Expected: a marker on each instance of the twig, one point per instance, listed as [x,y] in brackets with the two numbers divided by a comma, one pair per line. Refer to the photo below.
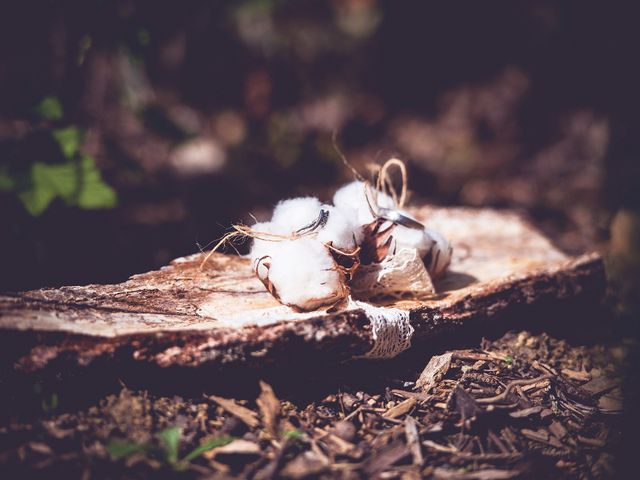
[511,386]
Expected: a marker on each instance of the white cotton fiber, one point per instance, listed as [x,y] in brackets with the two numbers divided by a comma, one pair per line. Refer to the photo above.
[295,213]
[341,230]
[352,197]
[305,275]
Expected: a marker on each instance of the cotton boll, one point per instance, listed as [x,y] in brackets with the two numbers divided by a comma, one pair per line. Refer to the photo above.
[341,230]
[295,213]
[352,197]
[440,254]
[305,276]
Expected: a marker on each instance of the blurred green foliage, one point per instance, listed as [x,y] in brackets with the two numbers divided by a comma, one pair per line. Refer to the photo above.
[50,109]
[77,181]
[169,450]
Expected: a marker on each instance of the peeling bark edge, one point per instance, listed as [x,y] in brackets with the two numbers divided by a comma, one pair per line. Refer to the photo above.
[578,278]
[337,336]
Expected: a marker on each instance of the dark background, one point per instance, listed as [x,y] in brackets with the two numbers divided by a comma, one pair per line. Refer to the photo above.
[198,113]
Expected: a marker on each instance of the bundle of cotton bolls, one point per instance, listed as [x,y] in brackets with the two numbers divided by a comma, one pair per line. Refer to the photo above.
[308,253]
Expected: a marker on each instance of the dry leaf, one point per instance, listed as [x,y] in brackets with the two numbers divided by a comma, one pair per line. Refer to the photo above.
[247,416]
[269,408]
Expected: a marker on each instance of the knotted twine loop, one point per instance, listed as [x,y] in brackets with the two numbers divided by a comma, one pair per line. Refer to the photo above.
[392,330]
[384,183]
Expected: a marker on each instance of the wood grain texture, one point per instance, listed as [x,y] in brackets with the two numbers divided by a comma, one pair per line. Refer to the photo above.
[183,316]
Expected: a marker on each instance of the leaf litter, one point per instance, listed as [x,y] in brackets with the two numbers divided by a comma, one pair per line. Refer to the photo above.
[523,406]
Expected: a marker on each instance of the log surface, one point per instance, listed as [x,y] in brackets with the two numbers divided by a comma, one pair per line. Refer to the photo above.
[181,315]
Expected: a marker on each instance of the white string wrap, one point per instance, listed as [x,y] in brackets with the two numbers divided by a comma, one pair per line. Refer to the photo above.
[392,330]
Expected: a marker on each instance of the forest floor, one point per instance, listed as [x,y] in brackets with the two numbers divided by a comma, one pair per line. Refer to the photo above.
[520,406]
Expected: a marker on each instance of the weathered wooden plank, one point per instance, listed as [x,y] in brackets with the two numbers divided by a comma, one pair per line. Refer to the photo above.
[181,315]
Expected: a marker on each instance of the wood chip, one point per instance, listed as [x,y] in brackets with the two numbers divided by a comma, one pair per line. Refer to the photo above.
[558,429]
[383,458]
[400,409]
[434,371]
[593,442]
[526,412]
[237,447]
[576,375]
[600,385]
[487,474]
[337,444]
[307,464]
[610,404]
[413,440]
[538,436]
[437,447]
[464,404]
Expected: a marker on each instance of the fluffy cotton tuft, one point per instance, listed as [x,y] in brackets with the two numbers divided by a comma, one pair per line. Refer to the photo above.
[295,213]
[305,275]
[342,229]
[352,197]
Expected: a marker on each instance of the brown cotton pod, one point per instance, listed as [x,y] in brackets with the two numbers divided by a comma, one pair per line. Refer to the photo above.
[376,241]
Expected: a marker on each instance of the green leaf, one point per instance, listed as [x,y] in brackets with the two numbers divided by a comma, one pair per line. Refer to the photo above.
[77,183]
[120,449]
[94,192]
[204,447]
[293,434]
[50,108]
[69,140]
[37,199]
[171,439]
[48,182]
[62,178]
